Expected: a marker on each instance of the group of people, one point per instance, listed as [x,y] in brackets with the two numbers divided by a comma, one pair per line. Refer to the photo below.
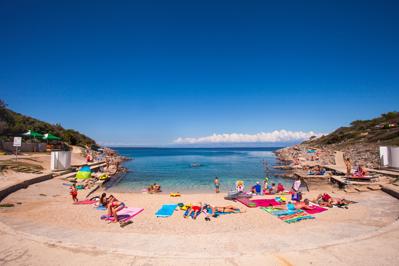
[209,210]
[323,200]
[359,172]
[317,170]
[112,204]
[154,188]
[267,189]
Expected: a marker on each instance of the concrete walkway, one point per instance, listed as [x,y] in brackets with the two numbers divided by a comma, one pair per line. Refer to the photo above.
[377,248]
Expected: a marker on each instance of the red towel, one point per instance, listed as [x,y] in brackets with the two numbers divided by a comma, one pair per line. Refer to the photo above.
[316,209]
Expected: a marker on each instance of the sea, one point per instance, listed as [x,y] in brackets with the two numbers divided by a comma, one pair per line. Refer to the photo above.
[194,169]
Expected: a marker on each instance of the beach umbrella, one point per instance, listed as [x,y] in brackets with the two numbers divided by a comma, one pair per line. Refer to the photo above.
[49,136]
[84,173]
[33,134]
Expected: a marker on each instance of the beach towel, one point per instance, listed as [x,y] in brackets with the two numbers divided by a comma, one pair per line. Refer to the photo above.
[101,208]
[166,210]
[265,202]
[316,209]
[288,216]
[124,215]
[86,201]
[247,202]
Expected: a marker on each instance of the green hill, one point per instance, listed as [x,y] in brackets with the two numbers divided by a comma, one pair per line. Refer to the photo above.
[13,124]
[382,130]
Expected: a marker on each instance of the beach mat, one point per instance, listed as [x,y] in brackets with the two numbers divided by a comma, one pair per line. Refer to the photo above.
[166,210]
[124,215]
[247,202]
[84,202]
[265,202]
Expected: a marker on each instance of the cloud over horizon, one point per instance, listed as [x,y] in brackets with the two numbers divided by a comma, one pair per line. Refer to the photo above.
[270,137]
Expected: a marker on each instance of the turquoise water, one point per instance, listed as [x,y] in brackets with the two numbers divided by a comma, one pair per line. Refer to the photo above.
[194,169]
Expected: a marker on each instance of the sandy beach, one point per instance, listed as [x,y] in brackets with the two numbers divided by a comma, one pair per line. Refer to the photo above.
[44,217]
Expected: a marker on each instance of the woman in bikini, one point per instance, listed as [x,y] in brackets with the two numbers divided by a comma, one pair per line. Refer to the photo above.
[114,206]
[226,209]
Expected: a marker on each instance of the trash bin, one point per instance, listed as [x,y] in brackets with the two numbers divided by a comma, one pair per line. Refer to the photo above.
[60,160]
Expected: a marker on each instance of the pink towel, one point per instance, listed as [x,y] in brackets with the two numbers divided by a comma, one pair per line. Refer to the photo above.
[316,209]
[126,214]
[265,202]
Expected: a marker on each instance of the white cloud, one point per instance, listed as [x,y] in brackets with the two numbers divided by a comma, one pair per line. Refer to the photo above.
[274,136]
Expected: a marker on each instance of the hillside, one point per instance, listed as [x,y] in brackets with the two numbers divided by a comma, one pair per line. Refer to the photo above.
[13,124]
[361,140]
[382,130]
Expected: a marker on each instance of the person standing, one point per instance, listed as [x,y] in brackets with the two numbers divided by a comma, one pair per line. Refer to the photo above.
[296,185]
[217,185]
[348,164]
[74,193]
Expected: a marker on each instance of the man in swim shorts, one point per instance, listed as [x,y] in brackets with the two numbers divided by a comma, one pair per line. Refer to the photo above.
[217,184]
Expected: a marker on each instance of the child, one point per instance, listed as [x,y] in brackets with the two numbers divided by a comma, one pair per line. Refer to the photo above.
[74,193]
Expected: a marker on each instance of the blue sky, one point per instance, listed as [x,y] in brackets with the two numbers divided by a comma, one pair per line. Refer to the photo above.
[147,73]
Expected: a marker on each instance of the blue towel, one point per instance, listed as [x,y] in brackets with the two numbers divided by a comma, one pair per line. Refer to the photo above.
[101,208]
[166,210]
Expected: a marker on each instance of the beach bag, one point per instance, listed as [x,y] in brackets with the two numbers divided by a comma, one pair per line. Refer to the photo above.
[296,196]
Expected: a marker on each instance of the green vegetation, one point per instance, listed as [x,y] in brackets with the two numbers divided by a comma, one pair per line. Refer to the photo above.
[383,130]
[14,124]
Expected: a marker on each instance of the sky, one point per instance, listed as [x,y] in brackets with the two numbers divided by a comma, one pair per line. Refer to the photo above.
[156,73]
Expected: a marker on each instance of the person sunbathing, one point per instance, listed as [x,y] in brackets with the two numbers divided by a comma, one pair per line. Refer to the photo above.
[304,205]
[325,200]
[295,206]
[103,199]
[225,209]
[194,210]
[114,206]
[360,172]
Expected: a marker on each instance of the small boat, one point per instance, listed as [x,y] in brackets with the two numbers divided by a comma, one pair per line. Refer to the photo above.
[195,165]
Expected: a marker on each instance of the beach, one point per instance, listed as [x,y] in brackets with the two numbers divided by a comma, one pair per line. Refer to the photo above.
[44,217]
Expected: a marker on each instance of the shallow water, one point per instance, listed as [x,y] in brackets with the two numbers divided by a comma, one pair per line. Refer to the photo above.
[194,169]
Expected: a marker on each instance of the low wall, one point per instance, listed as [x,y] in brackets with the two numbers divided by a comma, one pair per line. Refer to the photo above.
[26,147]
[24,184]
